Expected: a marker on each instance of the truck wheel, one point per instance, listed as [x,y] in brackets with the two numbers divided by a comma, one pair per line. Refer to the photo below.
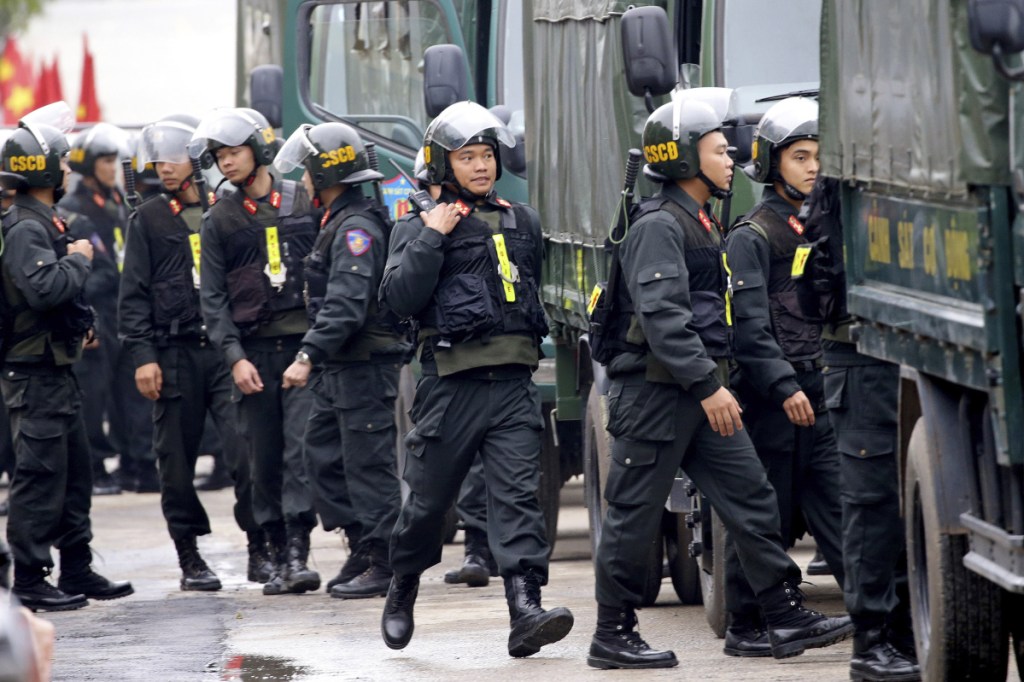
[549,491]
[1013,613]
[597,452]
[682,568]
[711,532]
[958,623]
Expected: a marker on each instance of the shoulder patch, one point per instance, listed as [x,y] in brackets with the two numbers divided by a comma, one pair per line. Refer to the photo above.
[358,242]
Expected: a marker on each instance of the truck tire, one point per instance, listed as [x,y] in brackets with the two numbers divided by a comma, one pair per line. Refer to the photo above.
[711,533]
[958,624]
[597,452]
[549,492]
[403,403]
[1013,613]
[682,568]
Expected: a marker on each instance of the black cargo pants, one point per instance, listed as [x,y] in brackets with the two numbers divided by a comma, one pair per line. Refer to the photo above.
[496,413]
[349,447]
[802,464]
[196,382]
[273,422]
[51,489]
[659,428]
[863,398]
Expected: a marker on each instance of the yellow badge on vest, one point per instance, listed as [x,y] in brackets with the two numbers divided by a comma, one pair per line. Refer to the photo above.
[506,269]
[803,252]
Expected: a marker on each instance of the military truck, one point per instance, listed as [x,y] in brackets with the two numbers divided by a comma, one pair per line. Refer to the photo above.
[368,64]
[923,130]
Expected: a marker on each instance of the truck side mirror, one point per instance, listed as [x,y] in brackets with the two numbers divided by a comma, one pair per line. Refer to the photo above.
[266,85]
[997,28]
[647,52]
[445,78]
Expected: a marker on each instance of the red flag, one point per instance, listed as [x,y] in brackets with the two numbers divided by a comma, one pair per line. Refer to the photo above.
[43,91]
[58,90]
[16,83]
[88,104]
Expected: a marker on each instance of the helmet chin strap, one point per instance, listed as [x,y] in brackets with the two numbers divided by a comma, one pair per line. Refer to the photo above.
[472,196]
[716,191]
[791,191]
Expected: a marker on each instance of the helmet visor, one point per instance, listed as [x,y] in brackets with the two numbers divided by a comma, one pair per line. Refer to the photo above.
[56,115]
[790,117]
[461,122]
[296,150]
[165,141]
[225,128]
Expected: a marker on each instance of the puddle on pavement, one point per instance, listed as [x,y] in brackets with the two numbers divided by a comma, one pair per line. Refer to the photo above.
[259,669]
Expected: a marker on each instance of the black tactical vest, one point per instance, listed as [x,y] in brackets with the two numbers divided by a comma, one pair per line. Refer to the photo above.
[255,300]
[174,297]
[798,339]
[106,217]
[380,333]
[66,323]
[708,280]
[487,287]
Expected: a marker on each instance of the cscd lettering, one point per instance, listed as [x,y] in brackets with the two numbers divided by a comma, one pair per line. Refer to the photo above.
[666,151]
[77,156]
[344,154]
[36,162]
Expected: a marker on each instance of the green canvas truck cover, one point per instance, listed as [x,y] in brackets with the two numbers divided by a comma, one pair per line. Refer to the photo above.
[906,102]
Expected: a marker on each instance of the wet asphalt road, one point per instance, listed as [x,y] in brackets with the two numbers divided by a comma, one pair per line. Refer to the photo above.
[237,634]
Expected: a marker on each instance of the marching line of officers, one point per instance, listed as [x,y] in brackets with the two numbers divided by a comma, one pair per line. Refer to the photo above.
[282,310]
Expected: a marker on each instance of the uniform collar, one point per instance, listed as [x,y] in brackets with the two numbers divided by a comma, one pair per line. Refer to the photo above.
[676,194]
[351,195]
[771,199]
[32,204]
[492,200]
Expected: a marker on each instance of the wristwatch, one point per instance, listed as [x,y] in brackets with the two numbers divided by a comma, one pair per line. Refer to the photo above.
[302,357]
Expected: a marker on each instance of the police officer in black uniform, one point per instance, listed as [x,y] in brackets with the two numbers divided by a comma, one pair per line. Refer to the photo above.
[176,366]
[354,347]
[253,245]
[96,210]
[44,276]
[468,270]
[667,405]
[779,379]
[863,401]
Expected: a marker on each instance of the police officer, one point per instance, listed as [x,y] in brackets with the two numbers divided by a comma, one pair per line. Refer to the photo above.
[44,276]
[863,403]
[355,348]
[96,210]
[176,366]
[778,351]
[667,405]
[478,565]
[468,271]
[253,244]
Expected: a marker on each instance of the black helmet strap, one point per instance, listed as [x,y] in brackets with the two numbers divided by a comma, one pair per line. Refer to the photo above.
[716,191]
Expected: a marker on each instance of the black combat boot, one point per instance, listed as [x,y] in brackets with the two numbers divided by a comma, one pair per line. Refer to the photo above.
[793,629]
[617,644]
[260,567]
[358,560]
[77,576]
[875,659]
[818,565]
[277,550]
[373,582]
[747,637]
[36,593]
[396,625]
[102,482]
[291,575]
[476,567]
[195,574]
[532,626]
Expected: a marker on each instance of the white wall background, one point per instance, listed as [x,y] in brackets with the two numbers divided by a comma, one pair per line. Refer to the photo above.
[151,57]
